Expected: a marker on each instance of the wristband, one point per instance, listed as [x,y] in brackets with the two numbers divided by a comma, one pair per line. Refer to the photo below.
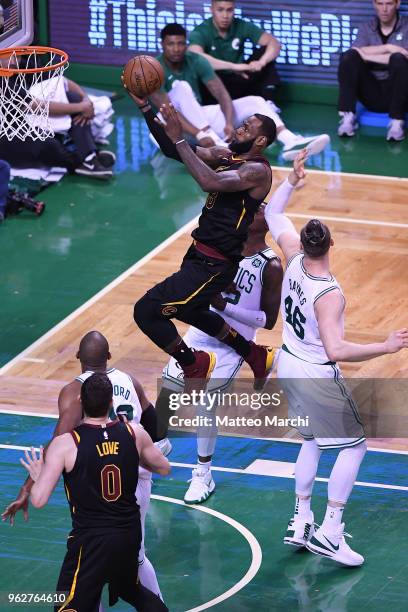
[180,141]
[144,105]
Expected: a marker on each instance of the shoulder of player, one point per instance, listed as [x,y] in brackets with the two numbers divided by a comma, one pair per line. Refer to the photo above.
[71,389]
[61,443]
[329,299]
[256,168]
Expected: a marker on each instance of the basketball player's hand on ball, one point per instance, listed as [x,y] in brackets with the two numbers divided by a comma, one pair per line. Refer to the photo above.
[136,99]
[20,503]
[34,464]
[172,125]
[397,340]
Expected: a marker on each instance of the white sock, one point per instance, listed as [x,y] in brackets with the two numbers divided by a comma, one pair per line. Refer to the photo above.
[302,507]
[148,578]
[203,468]
[332,518]
[286,137]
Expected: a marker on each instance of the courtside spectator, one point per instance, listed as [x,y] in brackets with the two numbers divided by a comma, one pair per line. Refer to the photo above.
[221,39]
[375,71]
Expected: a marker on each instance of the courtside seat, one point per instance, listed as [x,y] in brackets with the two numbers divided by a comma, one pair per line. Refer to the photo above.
[366,117]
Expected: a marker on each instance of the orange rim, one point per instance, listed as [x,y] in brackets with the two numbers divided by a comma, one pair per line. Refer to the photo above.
[8,72]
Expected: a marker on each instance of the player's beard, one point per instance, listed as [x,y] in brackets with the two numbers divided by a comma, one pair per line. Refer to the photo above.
[241,147]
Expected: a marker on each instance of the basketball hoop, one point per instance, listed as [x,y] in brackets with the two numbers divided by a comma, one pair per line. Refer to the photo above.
[29,77]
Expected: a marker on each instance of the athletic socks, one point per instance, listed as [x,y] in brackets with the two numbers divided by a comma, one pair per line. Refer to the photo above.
[302,507]
[183,354]
[240,345]
[203,467]
[286,137]
[147,577]
[333,518]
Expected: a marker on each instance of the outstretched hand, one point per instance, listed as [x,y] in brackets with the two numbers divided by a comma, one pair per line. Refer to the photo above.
[397,340]
[20,503]
[33,464]
[171,122]
[298,171]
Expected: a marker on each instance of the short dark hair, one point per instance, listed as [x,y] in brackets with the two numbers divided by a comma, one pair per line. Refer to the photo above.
[268,128]
[173,29]
[315,238]
[96,395]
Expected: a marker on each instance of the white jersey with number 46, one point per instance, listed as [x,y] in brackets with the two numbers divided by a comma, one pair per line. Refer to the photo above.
[300,291]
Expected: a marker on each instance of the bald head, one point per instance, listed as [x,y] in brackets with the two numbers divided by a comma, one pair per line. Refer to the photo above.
[93,349]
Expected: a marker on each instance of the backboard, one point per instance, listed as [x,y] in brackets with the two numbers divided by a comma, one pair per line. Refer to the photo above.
[16,23]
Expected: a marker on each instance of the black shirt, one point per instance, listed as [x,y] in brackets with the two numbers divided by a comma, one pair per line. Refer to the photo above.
[101,487]
[226,216]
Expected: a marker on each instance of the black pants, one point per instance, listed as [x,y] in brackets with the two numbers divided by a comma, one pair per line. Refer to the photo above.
[111,558]
[262,83]
[357,82]
[186,296]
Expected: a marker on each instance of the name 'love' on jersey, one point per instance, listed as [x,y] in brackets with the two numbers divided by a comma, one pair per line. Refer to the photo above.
[101,486]
[226,216]
[300,291]
[247,294]
[125,399]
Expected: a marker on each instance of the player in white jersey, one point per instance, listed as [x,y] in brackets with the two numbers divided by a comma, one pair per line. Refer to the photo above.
[252,304]
[129,400]
[313,341]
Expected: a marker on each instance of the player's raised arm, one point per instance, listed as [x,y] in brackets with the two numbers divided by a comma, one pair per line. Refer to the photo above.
[282,229]
[329,313]
[45,472]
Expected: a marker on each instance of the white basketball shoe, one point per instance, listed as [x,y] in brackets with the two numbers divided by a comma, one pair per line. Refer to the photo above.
[299,530]
[334,546]
[201,487]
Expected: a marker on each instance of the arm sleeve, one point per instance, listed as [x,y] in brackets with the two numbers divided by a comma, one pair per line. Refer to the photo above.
[252,32]
[166,145]
[149,422]
[204,69]
[254,318]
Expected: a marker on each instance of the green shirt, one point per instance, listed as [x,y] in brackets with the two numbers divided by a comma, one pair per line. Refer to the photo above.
[230,48]
[195,68]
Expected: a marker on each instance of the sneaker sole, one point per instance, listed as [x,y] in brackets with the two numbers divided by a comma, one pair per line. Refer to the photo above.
[202,500]
[317,551]
[102,177]
[295,543]
[313,148]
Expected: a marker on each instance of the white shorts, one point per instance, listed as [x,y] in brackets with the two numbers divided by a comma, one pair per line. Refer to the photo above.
[226,368]
[318,397]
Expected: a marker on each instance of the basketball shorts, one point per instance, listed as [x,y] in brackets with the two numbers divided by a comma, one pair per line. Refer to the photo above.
[193,286]
[93,561]
[319,402]
[227,365]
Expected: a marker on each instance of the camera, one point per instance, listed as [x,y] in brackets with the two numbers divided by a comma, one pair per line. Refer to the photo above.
[18,201]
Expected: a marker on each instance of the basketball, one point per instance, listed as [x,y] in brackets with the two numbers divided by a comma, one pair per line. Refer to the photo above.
[143,75]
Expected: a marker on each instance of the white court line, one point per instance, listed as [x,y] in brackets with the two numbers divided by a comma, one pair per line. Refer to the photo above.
[373,485]
[256,551]
[348,174]
[190,225]
[349,220]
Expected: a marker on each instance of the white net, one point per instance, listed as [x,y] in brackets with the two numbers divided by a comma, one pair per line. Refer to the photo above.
[25,96]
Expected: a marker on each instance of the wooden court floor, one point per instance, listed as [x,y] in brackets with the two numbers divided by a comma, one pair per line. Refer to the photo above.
[368,217]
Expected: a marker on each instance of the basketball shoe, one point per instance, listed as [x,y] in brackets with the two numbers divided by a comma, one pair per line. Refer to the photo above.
[334,546]
[313,144]
[300,530]
[201,487]
[198,373]
[260,360]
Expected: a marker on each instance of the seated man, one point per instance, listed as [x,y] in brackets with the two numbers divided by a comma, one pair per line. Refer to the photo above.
[221,39]
[375,71]
[212,124]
